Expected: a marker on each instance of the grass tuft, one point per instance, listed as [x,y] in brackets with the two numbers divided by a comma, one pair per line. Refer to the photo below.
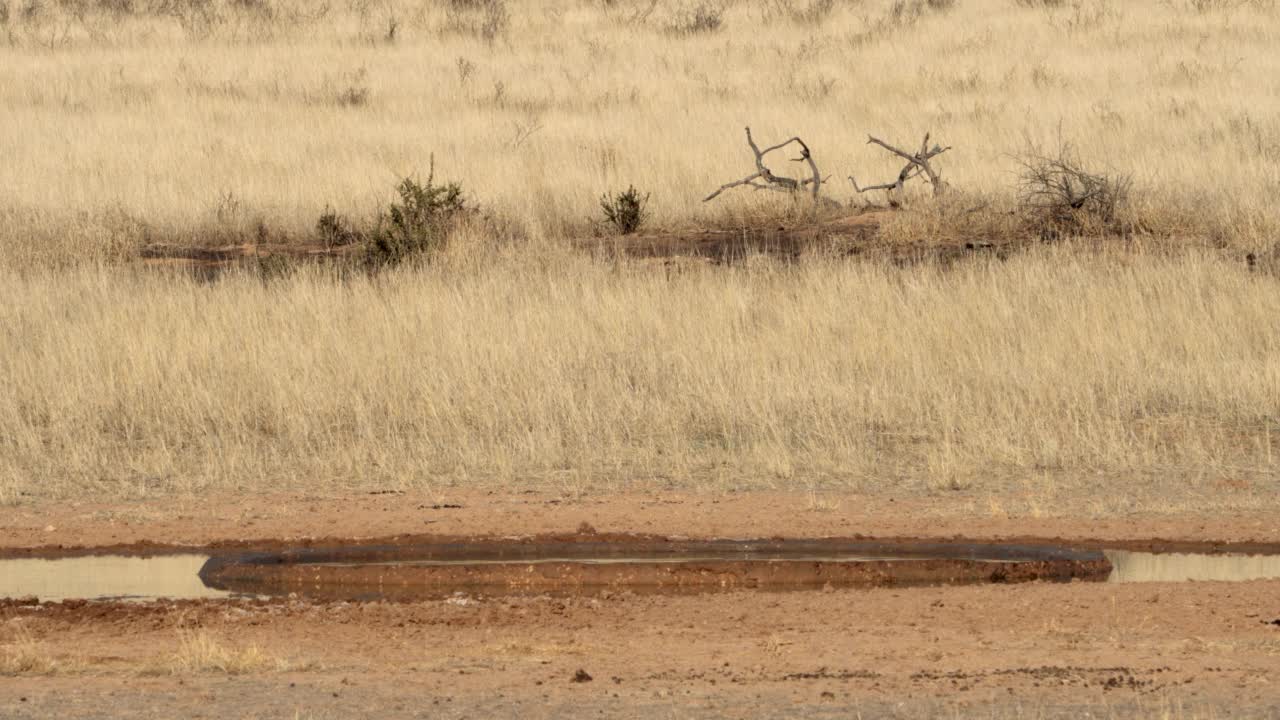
[22,654]
[200,652]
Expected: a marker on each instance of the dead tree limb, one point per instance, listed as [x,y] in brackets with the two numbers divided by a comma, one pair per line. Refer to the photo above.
[771,181]
[917,164]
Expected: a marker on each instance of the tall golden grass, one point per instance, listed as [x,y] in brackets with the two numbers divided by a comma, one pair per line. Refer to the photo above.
[1067,372]
[135,120]
[1056,372]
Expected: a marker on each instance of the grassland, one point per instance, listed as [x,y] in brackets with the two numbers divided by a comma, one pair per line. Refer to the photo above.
[1056,370]
[1144,366]
[137,120]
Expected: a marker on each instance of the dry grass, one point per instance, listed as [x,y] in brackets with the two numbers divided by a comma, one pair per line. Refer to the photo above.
[219,118]
[1115,374]
[22,654]
[1066,371]
[200,652]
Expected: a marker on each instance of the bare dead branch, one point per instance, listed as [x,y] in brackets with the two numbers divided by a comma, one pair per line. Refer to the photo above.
[917,164]
[771,181]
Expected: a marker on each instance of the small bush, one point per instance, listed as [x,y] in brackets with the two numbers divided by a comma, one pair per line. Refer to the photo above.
[625,211]
[334,229]
[420,223]
[703,19]
[1060,196]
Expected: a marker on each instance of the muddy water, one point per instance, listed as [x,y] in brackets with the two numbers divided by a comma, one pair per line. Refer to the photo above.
[1183,567]
[106,577]
[180,577]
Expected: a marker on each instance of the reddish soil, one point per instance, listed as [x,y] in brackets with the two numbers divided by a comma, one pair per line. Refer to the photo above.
[1040,649]
[1028,649]
[267,521]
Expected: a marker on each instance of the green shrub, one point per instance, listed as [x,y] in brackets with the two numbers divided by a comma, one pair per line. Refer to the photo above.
[625,211]
[419,223]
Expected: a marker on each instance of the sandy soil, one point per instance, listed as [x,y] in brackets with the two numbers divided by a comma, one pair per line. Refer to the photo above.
[1044,650]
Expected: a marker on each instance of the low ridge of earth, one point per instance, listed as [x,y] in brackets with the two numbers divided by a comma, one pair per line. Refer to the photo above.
[848,234]
[274,519]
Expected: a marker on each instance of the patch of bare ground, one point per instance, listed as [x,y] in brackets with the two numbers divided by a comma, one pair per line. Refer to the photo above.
[268,520]
[1048,650]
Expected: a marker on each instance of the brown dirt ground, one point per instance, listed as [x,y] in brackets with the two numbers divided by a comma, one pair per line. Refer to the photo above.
[231,519]
[1150,650]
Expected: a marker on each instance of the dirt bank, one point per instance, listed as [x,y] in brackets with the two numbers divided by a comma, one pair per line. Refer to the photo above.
[270,520]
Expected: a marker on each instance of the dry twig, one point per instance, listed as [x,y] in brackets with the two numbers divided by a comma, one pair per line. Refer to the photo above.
[771,181]
[917,164]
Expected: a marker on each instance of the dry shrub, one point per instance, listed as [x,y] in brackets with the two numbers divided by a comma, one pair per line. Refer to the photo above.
[1060,196]
[704,18]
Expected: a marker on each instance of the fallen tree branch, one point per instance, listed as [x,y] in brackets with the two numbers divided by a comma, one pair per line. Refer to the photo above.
[917,164]
[771,181]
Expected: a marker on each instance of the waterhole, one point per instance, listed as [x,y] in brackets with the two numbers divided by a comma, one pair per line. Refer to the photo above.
[107,577]
[495,568]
